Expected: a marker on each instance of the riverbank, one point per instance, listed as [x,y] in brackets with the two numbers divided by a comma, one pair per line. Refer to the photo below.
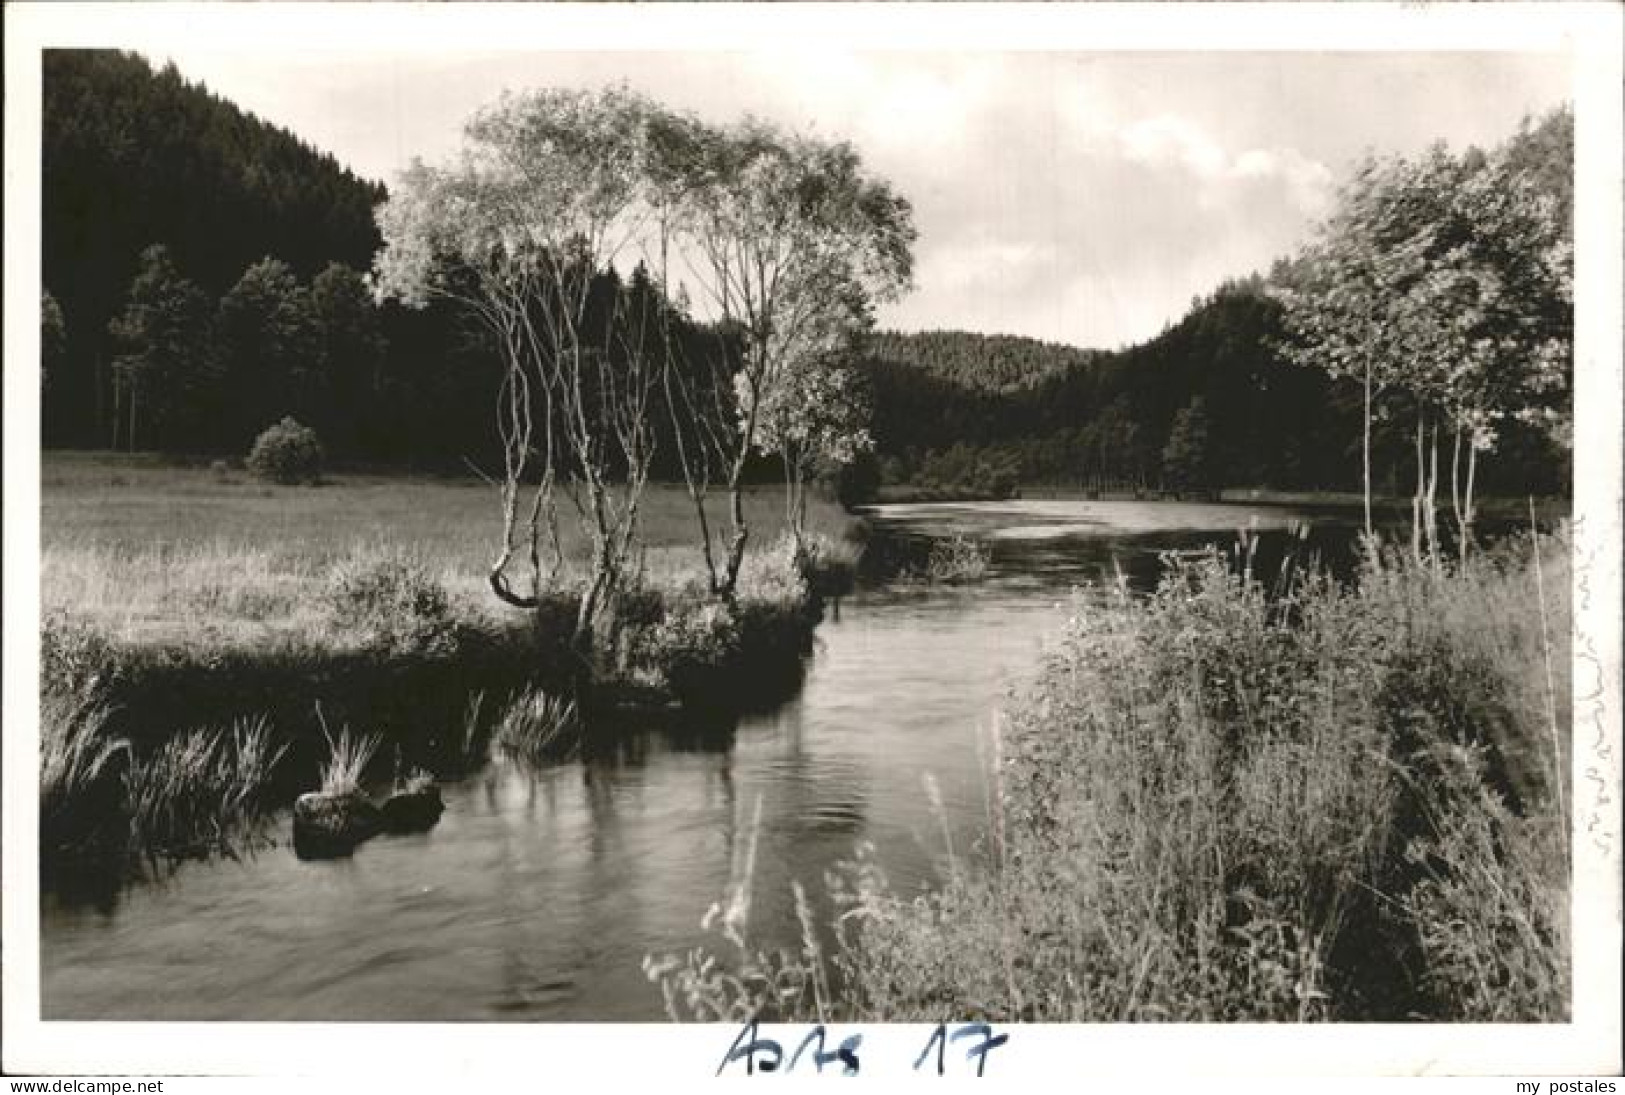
[1549,510]
[1338,802]
[542,887]
[184,608]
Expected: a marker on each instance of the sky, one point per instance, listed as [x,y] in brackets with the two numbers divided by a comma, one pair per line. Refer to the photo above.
[1075,197]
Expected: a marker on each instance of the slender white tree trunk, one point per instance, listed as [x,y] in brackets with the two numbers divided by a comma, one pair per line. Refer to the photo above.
[1365,453]
[1469,514]
[1455,491]
[1417,493]
[1431,509]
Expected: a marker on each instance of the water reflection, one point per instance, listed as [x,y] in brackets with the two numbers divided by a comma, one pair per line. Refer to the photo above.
[543,887]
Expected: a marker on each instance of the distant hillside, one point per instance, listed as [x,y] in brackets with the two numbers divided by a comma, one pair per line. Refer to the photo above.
[979,362]
[134,156]
[1061,413]
[1035,412]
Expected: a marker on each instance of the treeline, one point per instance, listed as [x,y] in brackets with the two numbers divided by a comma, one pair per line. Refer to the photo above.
[132,157]
[1224,397]
[982,362]
[205,276]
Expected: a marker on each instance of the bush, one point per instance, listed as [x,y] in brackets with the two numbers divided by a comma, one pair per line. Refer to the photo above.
[287,453]
[960,559]
[777,575]
[830,567]
[393,604]
[737,653]
[693,645]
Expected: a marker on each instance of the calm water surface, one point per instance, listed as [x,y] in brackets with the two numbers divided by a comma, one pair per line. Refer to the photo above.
[539,893]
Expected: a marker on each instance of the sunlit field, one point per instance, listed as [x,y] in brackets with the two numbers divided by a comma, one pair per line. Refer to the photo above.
[145,549]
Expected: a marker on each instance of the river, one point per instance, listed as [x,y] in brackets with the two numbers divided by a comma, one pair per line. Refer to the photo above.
[540,891]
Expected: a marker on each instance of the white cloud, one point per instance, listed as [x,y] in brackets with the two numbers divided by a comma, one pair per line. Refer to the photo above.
[1169,139]
[1082,197]
[1172,140]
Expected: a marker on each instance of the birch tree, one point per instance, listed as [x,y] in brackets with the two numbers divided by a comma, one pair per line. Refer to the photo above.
[781,234]
[522,228]
[816,418]
[1445,280]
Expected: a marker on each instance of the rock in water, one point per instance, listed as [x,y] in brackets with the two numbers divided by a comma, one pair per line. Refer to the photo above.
[413,811]
[326,826]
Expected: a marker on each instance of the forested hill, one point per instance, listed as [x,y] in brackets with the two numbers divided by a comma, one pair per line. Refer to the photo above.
[1077,414]
[981,362]
[133,157]
[1217,379]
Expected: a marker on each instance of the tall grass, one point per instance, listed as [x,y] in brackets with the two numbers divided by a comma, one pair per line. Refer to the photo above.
[1228,803]
[202,791]
[80,763]
[747,982]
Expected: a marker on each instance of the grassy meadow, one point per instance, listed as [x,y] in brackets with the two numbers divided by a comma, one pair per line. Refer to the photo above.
[151,551]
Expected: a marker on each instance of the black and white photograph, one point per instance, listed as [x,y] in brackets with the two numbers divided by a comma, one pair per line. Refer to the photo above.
[525,529]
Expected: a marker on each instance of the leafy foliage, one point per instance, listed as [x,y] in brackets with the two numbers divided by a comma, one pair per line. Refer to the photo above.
[269,340]
[1443,283]
[287,453]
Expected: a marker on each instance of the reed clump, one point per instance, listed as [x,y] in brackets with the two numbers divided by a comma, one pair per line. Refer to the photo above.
[538,725]
[203,791]
[959,558]
[952,560]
